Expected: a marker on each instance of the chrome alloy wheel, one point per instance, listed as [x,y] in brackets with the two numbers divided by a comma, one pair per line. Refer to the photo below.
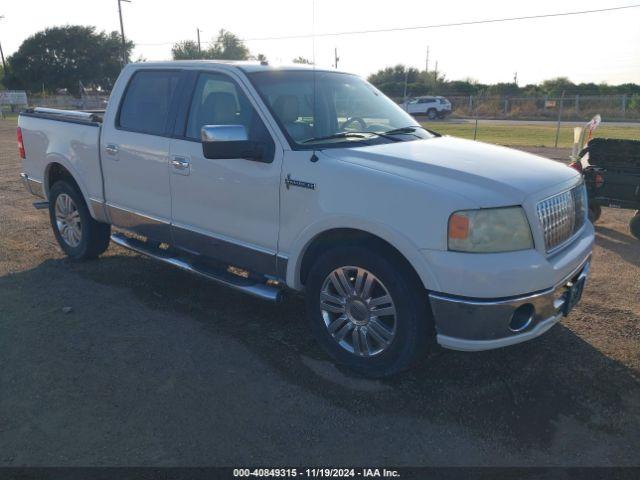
[358,311]
[68,220]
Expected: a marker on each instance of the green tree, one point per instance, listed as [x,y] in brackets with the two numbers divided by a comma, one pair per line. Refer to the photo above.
[461,87]
[302,60]
[391,81]
[227,46]
[62,57]
[186,50]
[503,89]
[555,86]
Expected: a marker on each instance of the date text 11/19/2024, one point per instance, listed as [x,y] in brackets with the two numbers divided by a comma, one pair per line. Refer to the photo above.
[316,472]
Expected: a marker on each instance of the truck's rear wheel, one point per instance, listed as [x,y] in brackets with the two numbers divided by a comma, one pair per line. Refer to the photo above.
[78,234]
[366,311]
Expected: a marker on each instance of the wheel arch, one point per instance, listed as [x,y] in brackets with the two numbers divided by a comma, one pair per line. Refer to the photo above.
[59,169]
[312,244]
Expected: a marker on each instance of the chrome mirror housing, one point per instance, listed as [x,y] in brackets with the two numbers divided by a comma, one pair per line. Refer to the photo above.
[223,133]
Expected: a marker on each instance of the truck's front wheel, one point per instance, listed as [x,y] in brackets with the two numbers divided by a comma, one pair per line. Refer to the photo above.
[367,310]
[634,225]
[79,235]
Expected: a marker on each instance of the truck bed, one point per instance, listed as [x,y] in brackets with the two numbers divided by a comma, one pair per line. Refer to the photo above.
[74,116]
[615,154]
[66,137]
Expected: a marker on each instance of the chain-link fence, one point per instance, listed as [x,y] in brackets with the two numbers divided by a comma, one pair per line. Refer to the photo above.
[574,107]
[69,102]
[570,108]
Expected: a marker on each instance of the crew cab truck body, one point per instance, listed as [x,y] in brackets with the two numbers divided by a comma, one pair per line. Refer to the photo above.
[315,181]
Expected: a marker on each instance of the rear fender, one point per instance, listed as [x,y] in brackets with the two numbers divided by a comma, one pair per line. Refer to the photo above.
[96,207]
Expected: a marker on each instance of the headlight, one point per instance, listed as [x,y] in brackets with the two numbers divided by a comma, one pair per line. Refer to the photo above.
[490,230]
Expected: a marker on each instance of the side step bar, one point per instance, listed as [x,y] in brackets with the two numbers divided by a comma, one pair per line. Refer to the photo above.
[260,290]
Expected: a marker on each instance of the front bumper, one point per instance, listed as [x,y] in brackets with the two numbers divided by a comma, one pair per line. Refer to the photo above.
[480,324]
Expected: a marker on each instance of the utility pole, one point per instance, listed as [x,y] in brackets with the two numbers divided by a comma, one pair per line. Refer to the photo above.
[336,57]
[199,49]
[435,72]
[559,118]
[125,60]
[426,66]
[4,65]
[515,78]
[406,83]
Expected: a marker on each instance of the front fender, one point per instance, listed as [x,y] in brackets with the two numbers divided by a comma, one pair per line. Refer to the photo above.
[399,241]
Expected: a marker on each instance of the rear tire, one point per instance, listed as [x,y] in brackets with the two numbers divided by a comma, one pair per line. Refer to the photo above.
[78,234]
[347,327]
[432,114]
[634,225]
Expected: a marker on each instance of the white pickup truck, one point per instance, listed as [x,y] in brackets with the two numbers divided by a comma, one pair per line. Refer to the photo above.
[267,179]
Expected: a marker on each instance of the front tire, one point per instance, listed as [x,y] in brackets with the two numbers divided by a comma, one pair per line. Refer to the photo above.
[432,114]
[78,234]
[368,310]
[594,212]
[634,225]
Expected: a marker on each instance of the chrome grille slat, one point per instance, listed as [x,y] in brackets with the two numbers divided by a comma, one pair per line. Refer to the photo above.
[562,216]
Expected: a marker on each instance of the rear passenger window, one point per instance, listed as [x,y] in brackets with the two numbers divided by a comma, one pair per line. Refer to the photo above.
[145,107]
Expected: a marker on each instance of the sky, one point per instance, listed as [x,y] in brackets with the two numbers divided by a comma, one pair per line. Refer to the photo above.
[597,47]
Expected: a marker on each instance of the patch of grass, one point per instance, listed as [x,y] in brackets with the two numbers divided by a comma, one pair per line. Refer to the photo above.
[527,134]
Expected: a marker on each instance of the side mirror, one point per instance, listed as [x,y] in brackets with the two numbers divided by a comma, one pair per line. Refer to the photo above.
[229,141]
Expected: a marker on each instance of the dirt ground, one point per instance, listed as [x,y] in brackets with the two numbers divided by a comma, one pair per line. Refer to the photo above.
[153,366]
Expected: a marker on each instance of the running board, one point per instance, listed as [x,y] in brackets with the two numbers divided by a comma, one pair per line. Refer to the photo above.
[260,290]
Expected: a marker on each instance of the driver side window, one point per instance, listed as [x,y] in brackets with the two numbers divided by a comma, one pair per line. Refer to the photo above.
[218,101]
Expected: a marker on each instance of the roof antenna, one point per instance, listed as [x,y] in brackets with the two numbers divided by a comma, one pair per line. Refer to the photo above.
[314,157]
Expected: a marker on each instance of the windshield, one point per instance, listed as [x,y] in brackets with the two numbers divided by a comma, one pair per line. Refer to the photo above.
[344,109]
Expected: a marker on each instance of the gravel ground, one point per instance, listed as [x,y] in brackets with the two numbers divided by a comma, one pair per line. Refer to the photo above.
[153,366]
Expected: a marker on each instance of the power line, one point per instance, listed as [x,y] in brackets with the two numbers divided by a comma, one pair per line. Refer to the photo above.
[443,25]
[425,27]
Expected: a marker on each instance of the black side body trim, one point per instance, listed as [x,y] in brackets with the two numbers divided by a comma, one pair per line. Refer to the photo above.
[250,259]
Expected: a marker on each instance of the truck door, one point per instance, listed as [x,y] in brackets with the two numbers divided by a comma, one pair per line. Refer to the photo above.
[226,209]
[134,148]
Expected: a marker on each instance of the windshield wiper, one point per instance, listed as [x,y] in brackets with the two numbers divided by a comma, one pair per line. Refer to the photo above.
[350,134]
[411,129]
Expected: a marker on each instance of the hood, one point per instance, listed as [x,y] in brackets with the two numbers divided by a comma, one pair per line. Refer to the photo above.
[489,175]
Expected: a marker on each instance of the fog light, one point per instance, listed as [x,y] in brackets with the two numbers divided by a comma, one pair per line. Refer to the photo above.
[522,317]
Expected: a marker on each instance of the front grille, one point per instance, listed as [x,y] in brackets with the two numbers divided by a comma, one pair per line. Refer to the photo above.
[562,215]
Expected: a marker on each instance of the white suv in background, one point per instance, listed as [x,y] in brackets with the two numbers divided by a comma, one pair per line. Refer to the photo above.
[432,107]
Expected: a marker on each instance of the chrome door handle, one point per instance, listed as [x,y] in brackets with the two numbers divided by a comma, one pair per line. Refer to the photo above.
[111,149]
[180,164]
